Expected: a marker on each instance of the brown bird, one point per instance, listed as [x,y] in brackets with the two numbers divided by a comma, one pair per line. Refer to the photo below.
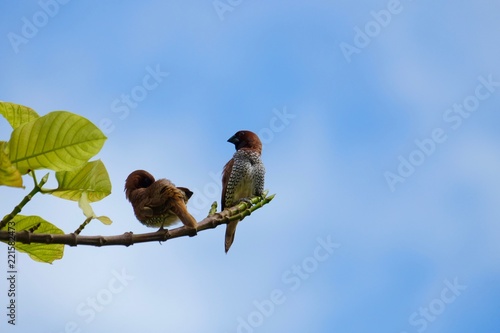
[158,203]
[242,177]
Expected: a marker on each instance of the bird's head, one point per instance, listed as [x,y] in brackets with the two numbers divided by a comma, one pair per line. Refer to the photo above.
[246,139]
[138,179]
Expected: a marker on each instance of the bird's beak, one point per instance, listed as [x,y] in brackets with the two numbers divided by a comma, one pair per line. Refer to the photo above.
[234,140]
[186,191]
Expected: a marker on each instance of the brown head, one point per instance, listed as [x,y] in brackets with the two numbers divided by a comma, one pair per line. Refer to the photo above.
[246,139]
[138,179]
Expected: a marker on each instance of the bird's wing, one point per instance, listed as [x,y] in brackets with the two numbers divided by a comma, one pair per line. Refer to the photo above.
[226,173]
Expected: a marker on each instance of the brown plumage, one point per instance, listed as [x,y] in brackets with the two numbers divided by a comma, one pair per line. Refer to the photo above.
[158,203]
[242,177]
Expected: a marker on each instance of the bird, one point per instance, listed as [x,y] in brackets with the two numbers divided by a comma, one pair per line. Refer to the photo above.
[158,203]
[242,176]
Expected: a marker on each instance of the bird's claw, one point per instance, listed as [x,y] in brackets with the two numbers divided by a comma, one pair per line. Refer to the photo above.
[246,200]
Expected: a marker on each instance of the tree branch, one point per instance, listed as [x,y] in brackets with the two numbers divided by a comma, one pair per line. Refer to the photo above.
[213,220]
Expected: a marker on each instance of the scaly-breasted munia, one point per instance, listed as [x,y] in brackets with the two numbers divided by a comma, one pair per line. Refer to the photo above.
[158,203]
[242,177]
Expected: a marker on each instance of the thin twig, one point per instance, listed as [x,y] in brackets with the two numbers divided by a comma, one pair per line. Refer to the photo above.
[83,225]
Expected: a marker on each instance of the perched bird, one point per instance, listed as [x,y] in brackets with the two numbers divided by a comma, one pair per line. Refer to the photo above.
[242,177]
[158,203]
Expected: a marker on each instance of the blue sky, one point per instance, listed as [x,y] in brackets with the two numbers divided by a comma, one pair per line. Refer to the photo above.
[341,248]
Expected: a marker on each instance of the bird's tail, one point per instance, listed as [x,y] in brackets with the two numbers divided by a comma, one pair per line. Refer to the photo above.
[182,213]
[230,231]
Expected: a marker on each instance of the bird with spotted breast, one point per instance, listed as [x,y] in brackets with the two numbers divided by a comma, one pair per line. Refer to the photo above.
[158,203]
[242,176]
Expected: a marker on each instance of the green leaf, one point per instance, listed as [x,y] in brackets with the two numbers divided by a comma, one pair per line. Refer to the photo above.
[92,178]
[9,175]
[104,219]
[59,141]
[39,252]
[84,205]
[17,114]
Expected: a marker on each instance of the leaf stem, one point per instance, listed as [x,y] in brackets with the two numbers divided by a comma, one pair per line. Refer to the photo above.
[26,199]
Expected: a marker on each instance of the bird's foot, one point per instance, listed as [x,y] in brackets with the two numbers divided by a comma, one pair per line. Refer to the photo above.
[245,200]
[162,229]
